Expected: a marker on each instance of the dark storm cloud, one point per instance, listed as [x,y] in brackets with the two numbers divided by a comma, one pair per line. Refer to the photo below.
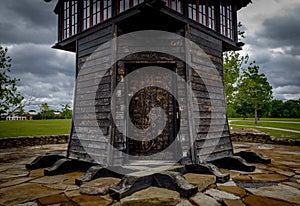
[33,12]
[279,31]
[282,31]
[12,34]
[276,49]
[27,21]
[41,60]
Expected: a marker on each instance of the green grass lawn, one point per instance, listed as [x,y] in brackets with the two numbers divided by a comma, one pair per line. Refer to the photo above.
[270,119]
[274,133]
[282,125]
[54,127]
[34,127]
[272,122]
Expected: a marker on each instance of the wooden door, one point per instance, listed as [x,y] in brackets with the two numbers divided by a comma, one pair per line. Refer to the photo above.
[142,105]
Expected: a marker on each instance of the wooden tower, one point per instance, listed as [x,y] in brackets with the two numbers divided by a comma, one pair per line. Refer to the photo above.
[137,66]
[140,65]
[84,25]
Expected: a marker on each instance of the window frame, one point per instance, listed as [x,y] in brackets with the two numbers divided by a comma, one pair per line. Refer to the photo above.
[77,16]
[203,12]
[69,19]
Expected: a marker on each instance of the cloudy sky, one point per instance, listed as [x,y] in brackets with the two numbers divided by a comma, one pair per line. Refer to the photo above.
[28,28]
[273,41]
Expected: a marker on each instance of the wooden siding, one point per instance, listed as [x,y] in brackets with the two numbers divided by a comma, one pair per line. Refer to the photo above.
[213,139]
[88,141]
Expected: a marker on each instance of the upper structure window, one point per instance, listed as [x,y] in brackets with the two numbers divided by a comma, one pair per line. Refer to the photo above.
[124,5]
[175,5]
[95,12]
[203,12]
[226,21]
[69,19]
[79,15]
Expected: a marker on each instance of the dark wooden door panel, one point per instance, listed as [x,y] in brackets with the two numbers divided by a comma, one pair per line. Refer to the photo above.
[143,112]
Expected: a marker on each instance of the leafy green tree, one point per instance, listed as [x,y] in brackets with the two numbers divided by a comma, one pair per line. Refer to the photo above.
[254,91]
[295,113]
[292,107]
[277,108]
[10,98]
[232,64]
[66,111]
[45,110]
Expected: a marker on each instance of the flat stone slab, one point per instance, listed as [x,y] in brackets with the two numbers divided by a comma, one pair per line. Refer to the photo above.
[152,196]
[24,193]
[280,192]
[88,200]
[15,182]
[37,173]
[58,186]
[285,172]
[29,204]
[4,176]
[264,201]
[199,180]
[51,179]
[229,202]
[233,190]
[184,203]
[72,194]
[98,186]
[53,199]
[220,195]
[74,175]
[292,184]
[201,199]
[261,178]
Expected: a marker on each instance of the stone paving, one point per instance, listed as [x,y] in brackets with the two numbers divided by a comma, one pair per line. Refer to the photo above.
[275,184]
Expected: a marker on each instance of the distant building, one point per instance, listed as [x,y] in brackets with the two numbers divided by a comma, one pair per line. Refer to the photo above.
[56,114]
[15,117]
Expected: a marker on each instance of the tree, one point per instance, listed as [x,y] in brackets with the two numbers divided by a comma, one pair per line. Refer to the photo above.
[254,90]
[232,64]
[66,111]
[10,98]
[277,108]
[45,110]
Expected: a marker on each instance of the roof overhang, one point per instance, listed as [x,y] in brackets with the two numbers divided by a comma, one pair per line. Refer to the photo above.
[242,3]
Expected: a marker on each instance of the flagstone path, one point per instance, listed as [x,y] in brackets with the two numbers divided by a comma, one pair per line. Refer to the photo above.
[275,184]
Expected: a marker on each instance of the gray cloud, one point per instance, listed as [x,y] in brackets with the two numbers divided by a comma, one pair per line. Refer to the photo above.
[282,31]
[33,12]
[54,90]
[276,48]
[27,21]
[41,60]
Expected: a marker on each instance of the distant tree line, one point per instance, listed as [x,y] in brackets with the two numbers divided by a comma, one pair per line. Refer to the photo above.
[287,109]
[275,109]
[47,113]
